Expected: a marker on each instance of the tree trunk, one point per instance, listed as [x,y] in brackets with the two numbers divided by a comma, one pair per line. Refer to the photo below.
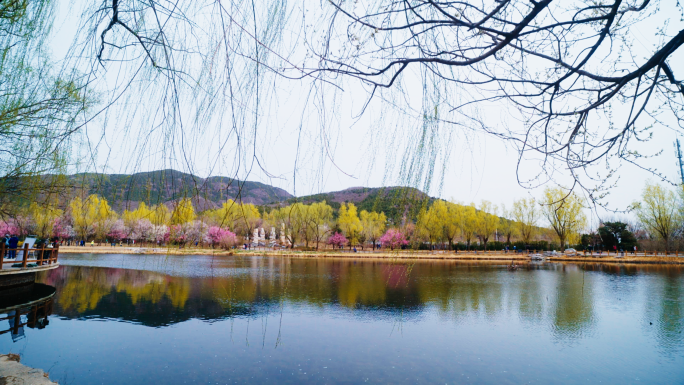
[667,244]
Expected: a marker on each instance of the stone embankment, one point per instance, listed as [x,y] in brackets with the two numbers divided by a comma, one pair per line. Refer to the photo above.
[12,372]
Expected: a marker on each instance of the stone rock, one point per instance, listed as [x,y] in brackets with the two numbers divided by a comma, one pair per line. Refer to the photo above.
[13,372]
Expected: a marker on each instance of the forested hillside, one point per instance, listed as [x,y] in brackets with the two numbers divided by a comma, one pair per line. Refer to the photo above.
[395,201]
[126,191]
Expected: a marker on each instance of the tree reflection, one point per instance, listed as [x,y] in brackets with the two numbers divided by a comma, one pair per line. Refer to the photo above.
[529,298]
[666,313]
[574,305]
[561,296]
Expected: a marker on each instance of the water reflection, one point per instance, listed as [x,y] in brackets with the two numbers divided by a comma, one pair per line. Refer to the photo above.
[26,305]
[574,304]
[217,320]
[561,296]
[666,313]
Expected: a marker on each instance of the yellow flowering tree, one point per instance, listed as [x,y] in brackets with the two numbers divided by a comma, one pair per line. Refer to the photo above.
[226,215]
[320,217]
[142,212]
[526,215]
[44,217]
[658,211]
[292,219]
[248,218]
[469,223]
[451,225]
[430,222]
[92,216]
[373,225]
[565,213]
[183,212]
[507,227]
[487,221]
[160,215]
[350,223]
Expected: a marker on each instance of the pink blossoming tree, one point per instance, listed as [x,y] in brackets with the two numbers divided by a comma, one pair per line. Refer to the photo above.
[177,233]
[197,232]
[142,230]
[338,240]
[159,234]
[118,231]
[24,224]
[222,237]
[8,228]
[62,229]
[393,238]
[228,240]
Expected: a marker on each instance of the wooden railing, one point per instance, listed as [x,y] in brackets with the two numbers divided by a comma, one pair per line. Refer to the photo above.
[39,255]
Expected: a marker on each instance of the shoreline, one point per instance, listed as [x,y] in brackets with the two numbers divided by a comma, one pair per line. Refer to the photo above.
[12,371]
[382,255]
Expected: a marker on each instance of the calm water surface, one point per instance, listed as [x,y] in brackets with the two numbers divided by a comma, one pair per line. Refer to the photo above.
[129,319]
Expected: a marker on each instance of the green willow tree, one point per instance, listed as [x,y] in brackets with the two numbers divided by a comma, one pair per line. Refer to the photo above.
[39,105]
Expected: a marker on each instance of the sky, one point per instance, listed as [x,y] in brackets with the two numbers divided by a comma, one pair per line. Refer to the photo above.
[301,161]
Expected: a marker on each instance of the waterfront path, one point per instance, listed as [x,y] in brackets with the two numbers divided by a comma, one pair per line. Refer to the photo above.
[493,256]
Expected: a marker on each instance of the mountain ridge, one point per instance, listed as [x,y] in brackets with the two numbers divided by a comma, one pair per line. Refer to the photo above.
[127,191]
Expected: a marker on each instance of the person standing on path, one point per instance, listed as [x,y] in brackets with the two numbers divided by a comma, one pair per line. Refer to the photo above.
[12,244]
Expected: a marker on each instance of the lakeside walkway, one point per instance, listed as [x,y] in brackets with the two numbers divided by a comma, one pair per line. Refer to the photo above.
[490,256]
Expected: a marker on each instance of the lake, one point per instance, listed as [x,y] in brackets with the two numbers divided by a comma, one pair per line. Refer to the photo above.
[135,319]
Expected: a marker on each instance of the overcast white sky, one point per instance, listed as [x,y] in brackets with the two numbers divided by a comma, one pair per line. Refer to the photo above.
[479,166]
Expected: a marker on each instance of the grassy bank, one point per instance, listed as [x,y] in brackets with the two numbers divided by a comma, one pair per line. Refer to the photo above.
[403,254]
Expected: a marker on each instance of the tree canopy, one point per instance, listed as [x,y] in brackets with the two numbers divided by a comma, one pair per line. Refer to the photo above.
[564,212]
[617,235]
[659,212]
[558,71]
